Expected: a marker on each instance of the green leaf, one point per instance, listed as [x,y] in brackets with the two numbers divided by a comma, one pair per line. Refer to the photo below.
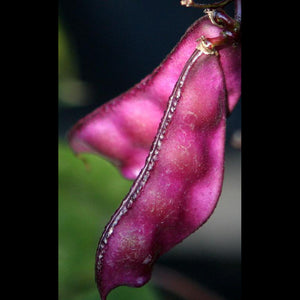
[87,197]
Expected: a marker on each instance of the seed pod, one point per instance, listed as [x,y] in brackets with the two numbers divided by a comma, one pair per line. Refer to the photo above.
[123,129]
[180,183]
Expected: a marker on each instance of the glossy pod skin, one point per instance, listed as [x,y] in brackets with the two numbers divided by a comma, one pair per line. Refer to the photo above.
[167,133]
[179,186]
[123,129]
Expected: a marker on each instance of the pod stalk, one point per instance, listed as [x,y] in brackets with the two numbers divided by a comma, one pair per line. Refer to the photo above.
[191,3]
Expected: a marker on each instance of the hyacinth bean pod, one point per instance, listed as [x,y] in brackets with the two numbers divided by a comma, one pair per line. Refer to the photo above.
[167,133]
[178,187]
[123,129]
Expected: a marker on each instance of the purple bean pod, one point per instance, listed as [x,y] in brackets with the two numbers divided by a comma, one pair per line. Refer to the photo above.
[167,133]
[122,130]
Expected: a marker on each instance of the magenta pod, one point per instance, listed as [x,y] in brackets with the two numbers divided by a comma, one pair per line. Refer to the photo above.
[123,129]
[180,183]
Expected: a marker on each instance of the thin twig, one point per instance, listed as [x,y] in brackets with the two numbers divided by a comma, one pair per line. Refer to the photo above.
[191,3]
[238,10]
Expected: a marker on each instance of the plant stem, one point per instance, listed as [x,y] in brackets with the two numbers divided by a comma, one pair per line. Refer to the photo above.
[191,3]
[238,10]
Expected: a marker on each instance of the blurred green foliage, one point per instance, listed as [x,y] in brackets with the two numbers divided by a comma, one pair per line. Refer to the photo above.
[88,196]
[67,57]
[72,91]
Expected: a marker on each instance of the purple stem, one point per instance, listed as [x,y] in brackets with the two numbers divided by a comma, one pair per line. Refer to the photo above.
[238,10]
[212,5]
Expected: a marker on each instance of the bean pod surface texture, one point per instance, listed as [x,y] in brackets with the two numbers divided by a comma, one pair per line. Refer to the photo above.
[168,134]
[123,129]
